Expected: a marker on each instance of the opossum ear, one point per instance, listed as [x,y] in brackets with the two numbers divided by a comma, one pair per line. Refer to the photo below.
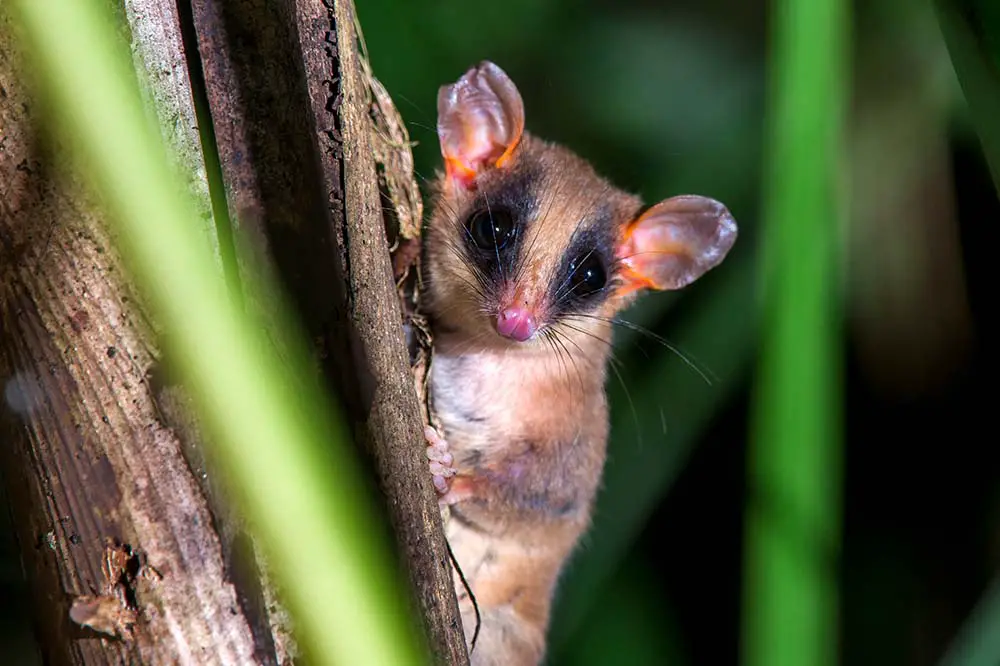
[675,242]
[480,122]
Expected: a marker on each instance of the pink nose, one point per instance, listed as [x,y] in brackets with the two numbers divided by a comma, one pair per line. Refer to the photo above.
[516,323]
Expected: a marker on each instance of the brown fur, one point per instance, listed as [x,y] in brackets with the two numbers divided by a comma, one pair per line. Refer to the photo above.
[526,422]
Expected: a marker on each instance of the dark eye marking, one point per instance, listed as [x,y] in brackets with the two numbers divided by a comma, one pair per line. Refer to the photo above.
[587,275]
[491,229]
[586,268]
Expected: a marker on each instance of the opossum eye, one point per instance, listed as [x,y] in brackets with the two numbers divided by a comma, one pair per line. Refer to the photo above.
[491,228]
[586,275]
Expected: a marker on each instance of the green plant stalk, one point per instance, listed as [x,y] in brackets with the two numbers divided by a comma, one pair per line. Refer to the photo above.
[275,440]
[978,642]
[971,30]
[793,515]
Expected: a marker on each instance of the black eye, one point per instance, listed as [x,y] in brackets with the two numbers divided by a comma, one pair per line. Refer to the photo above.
[491,228]
[586,275]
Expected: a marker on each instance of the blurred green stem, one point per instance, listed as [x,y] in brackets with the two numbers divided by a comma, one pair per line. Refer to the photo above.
[793,515]
[289,462]
[978,642]
[971,29]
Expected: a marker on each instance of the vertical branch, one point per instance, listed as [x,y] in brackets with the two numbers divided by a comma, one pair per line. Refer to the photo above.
[87,456]
[290,116]
[394,426]
[284,87]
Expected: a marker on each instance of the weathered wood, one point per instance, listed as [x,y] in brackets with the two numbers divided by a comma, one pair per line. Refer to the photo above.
[88,455]
[285,87]
[157,48]
[395,427]
[101,444]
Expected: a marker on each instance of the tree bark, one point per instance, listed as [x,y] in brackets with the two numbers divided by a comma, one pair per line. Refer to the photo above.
[285,86]
[98,442]
[88,456]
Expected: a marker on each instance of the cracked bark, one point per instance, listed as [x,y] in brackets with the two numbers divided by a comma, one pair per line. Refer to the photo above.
[98,441]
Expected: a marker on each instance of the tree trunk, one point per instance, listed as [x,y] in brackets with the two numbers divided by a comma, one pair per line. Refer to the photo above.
[99,446]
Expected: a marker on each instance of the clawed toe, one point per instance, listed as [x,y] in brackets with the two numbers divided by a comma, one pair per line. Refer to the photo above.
[440,460]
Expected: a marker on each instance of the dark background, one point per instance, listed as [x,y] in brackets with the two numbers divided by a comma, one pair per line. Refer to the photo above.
[666,98]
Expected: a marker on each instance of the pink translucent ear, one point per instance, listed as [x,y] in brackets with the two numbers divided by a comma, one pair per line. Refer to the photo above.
[480,121]
[675,242]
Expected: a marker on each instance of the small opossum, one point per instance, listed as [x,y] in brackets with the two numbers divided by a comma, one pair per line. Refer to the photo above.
[529,255]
